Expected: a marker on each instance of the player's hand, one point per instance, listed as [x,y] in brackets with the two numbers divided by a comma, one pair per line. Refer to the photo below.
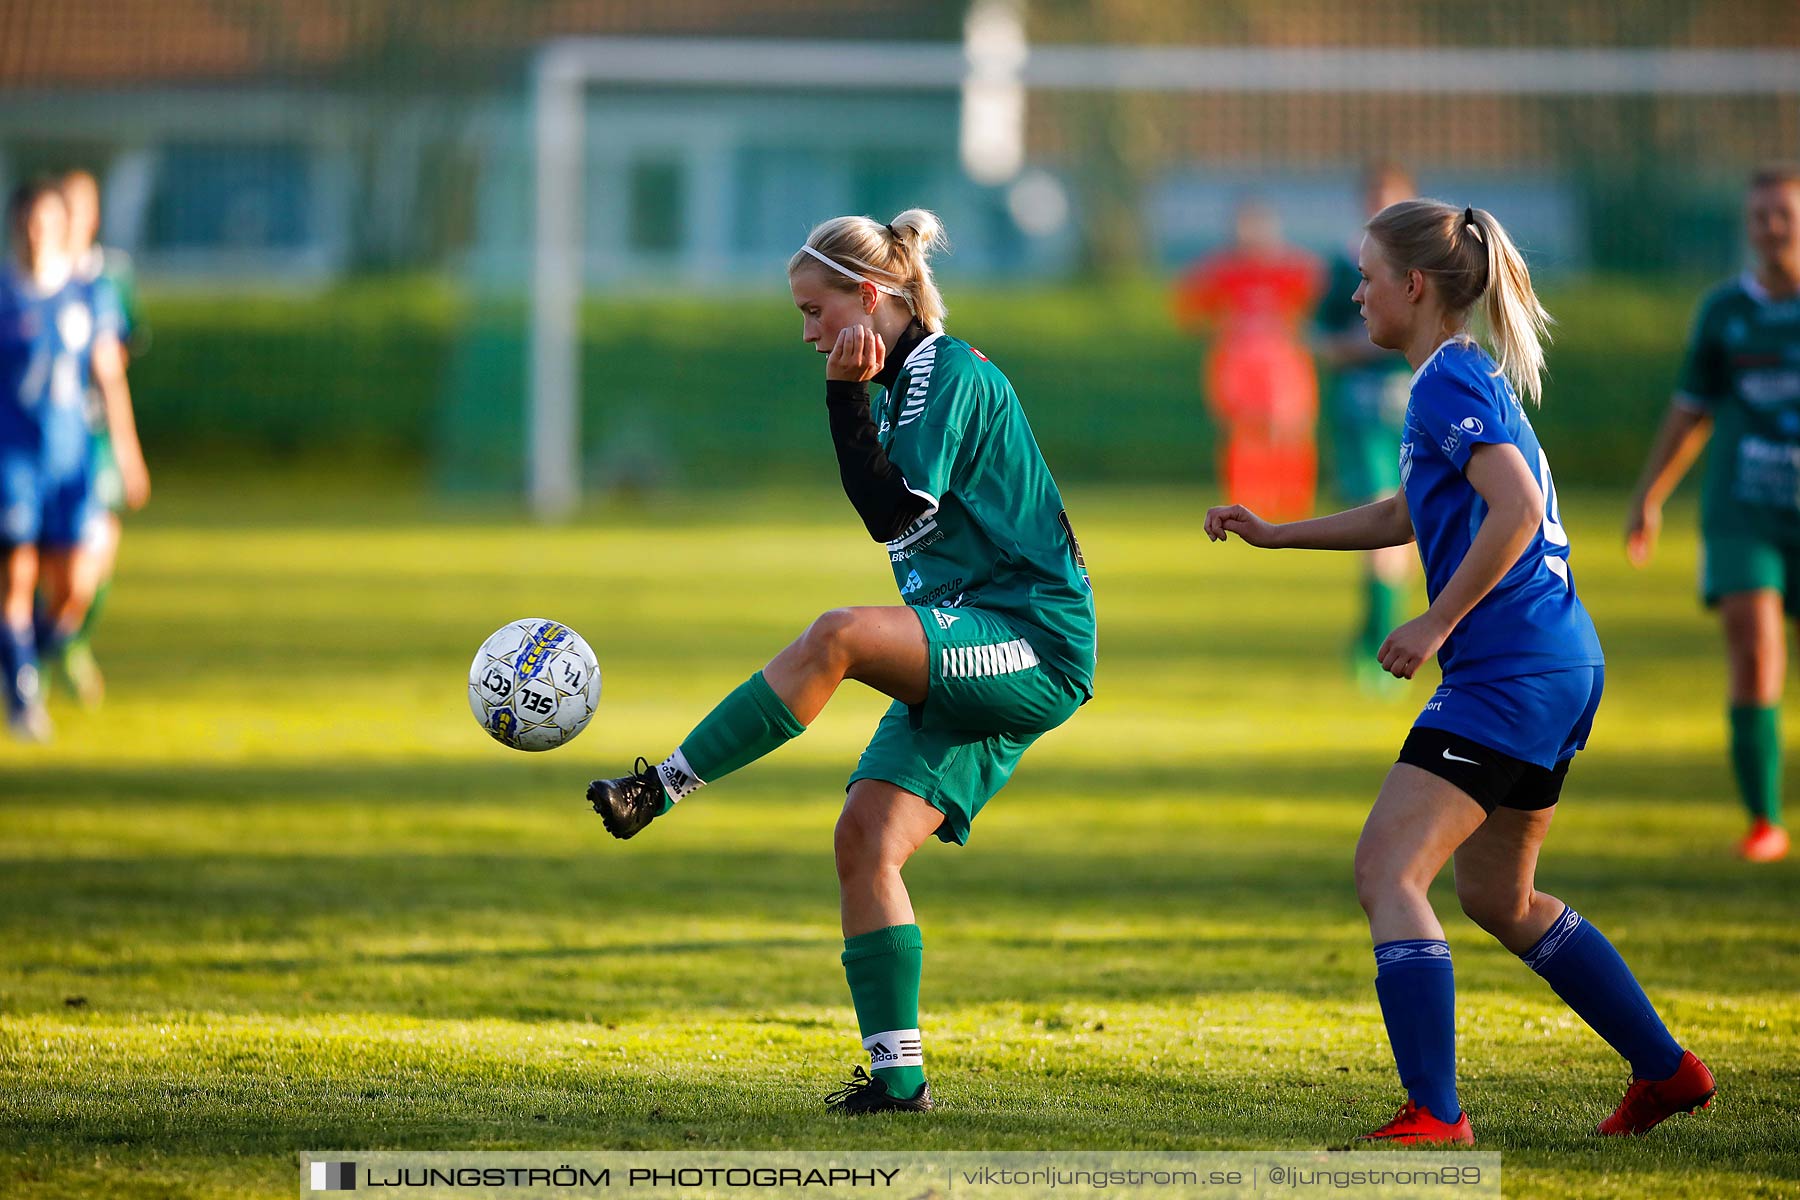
[1235,518]
[858,354]
[136,478]
[1642,527]
[1411,646]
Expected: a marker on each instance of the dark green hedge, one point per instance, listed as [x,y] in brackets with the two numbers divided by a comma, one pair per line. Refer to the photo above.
[722,391]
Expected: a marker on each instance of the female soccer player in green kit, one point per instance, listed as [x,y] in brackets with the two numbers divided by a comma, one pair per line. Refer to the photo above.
[1741,385]
[991,647]
[1367,408]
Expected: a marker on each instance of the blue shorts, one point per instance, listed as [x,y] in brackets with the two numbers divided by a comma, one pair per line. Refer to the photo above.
[1541,719]
[42,510]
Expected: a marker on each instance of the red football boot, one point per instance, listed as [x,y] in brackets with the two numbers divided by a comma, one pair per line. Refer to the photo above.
[1650,1102]
[1764,842]
[1414,1125]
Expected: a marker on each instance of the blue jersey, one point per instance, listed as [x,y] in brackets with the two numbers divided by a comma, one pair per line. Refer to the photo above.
[1532,621]
[46,360]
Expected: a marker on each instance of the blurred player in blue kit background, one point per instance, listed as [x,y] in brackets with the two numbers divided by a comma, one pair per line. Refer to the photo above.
[49,336]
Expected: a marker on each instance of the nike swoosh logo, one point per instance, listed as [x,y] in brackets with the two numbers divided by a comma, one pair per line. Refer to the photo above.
[1460,758]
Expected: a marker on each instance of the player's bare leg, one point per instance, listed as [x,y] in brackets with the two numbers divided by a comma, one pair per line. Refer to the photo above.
[882,825]
[90,570]
[1496,878]
[1495,872]
[883,647]
[1756,654]
[1417,823]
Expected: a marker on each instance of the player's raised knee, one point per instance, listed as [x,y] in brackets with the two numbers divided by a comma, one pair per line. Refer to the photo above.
[833,633]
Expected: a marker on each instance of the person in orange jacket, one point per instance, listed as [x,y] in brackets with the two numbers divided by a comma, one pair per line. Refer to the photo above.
[1252,301]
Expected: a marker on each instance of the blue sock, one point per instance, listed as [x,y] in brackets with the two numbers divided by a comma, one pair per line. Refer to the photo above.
[1582,967]
[18,660]
[43,629]
[1417,989]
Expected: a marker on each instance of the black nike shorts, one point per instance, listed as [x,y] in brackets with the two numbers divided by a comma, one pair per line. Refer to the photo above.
[1490,778]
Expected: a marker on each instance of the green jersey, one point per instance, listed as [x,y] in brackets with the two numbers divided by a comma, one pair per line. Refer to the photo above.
[1743,369]
[1368,398]
[995,536]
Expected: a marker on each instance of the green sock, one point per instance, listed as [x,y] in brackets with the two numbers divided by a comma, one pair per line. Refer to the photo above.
[1756,758]
[93,612]
[746,725]
[883,970]
[1381,600]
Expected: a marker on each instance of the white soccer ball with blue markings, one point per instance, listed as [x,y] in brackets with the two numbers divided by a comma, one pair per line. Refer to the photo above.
[534,684]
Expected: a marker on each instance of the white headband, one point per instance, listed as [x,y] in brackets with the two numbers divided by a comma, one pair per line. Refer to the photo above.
[841,269]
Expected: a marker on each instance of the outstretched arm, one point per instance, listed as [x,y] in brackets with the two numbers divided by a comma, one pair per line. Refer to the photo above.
[121,421]
[1383,523]
[1678,443]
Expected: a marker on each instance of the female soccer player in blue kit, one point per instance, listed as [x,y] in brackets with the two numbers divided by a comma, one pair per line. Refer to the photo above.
[1479,776]
[49,337]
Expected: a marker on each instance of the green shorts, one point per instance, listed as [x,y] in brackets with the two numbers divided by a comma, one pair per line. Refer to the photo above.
[989,698]
[1366,432]
[103,468]
[1365,464]
[1740,562]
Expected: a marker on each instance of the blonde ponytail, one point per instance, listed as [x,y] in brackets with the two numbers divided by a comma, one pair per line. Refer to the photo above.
[1517,322]
[1470,257]
[918,233]
[894,257]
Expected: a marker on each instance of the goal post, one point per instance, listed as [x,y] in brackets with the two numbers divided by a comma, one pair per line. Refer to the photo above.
[560,77]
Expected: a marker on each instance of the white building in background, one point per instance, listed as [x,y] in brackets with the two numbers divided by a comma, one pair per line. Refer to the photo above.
[295,140]
[258,185]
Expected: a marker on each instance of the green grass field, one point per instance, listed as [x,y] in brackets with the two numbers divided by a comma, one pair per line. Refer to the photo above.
[283,894]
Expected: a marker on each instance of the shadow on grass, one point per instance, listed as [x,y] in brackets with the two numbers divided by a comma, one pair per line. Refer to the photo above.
[1108,792]
[407,888]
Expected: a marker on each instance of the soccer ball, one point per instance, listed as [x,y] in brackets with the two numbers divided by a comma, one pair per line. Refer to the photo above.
[534,684]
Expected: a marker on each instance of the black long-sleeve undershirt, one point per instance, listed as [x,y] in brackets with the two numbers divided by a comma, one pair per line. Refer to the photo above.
[875,486]
[873,483]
